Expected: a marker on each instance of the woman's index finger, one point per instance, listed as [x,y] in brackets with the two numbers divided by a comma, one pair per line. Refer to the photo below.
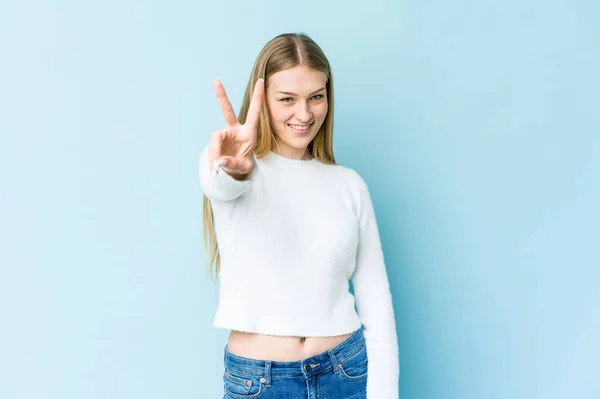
[255,104]
[224,103]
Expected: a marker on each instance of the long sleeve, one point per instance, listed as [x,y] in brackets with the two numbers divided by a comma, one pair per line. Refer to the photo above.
[222,187]
[374,305]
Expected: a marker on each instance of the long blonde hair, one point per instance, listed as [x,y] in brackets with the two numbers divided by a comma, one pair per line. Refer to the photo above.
[285,51]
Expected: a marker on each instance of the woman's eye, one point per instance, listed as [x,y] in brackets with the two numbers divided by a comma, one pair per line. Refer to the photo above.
[316,97]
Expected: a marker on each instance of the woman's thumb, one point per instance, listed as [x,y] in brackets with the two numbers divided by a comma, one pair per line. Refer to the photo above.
[223,161]
[228,162]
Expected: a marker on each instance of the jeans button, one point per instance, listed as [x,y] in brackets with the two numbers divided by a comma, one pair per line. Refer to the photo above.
[307,368]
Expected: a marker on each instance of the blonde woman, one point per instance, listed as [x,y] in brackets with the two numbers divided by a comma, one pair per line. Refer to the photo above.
[286,229]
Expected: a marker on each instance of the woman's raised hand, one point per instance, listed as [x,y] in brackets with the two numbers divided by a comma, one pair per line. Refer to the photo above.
[232,148]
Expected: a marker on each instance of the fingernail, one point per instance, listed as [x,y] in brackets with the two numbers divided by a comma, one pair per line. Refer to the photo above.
[223,162]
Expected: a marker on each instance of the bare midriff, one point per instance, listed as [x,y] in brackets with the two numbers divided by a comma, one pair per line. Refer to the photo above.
[278,348]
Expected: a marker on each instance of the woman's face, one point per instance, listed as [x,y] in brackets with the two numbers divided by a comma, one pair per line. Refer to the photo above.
[297,101]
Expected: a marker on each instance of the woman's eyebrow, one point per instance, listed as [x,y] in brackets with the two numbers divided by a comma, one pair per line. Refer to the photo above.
[294,94]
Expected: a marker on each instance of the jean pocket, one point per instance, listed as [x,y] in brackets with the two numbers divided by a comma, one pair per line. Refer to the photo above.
[240,386]
[355,367]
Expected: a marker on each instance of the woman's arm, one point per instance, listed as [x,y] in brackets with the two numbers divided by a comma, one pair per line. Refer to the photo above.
[374,304]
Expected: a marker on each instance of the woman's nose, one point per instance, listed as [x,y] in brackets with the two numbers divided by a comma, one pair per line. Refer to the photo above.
[303,113]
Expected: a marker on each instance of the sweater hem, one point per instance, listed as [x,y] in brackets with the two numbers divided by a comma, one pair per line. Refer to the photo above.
[280,333]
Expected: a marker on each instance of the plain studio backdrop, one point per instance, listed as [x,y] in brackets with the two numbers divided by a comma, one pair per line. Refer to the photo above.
[474,123]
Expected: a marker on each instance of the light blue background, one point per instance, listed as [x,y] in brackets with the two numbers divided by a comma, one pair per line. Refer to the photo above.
[475,124]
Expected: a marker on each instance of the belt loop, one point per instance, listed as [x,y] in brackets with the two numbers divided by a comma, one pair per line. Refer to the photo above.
[268,373]
[334,361]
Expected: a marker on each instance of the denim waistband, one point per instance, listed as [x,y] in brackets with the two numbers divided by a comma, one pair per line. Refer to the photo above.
[316,364]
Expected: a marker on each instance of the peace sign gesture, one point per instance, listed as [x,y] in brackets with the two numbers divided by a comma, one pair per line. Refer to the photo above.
[232,148]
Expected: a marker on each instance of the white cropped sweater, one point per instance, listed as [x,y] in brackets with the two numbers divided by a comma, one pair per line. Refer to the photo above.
[291,236]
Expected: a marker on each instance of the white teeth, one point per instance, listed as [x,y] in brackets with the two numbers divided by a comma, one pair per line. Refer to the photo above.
[300,127]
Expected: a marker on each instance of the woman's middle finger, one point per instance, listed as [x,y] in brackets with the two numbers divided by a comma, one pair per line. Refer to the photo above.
[225,104]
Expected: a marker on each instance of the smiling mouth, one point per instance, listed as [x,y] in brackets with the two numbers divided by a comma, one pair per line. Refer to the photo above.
[301,128]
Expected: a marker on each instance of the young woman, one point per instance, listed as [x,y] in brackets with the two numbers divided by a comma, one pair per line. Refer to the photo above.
[287,229]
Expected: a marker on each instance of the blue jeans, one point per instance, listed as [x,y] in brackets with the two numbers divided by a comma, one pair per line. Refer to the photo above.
[340,372]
